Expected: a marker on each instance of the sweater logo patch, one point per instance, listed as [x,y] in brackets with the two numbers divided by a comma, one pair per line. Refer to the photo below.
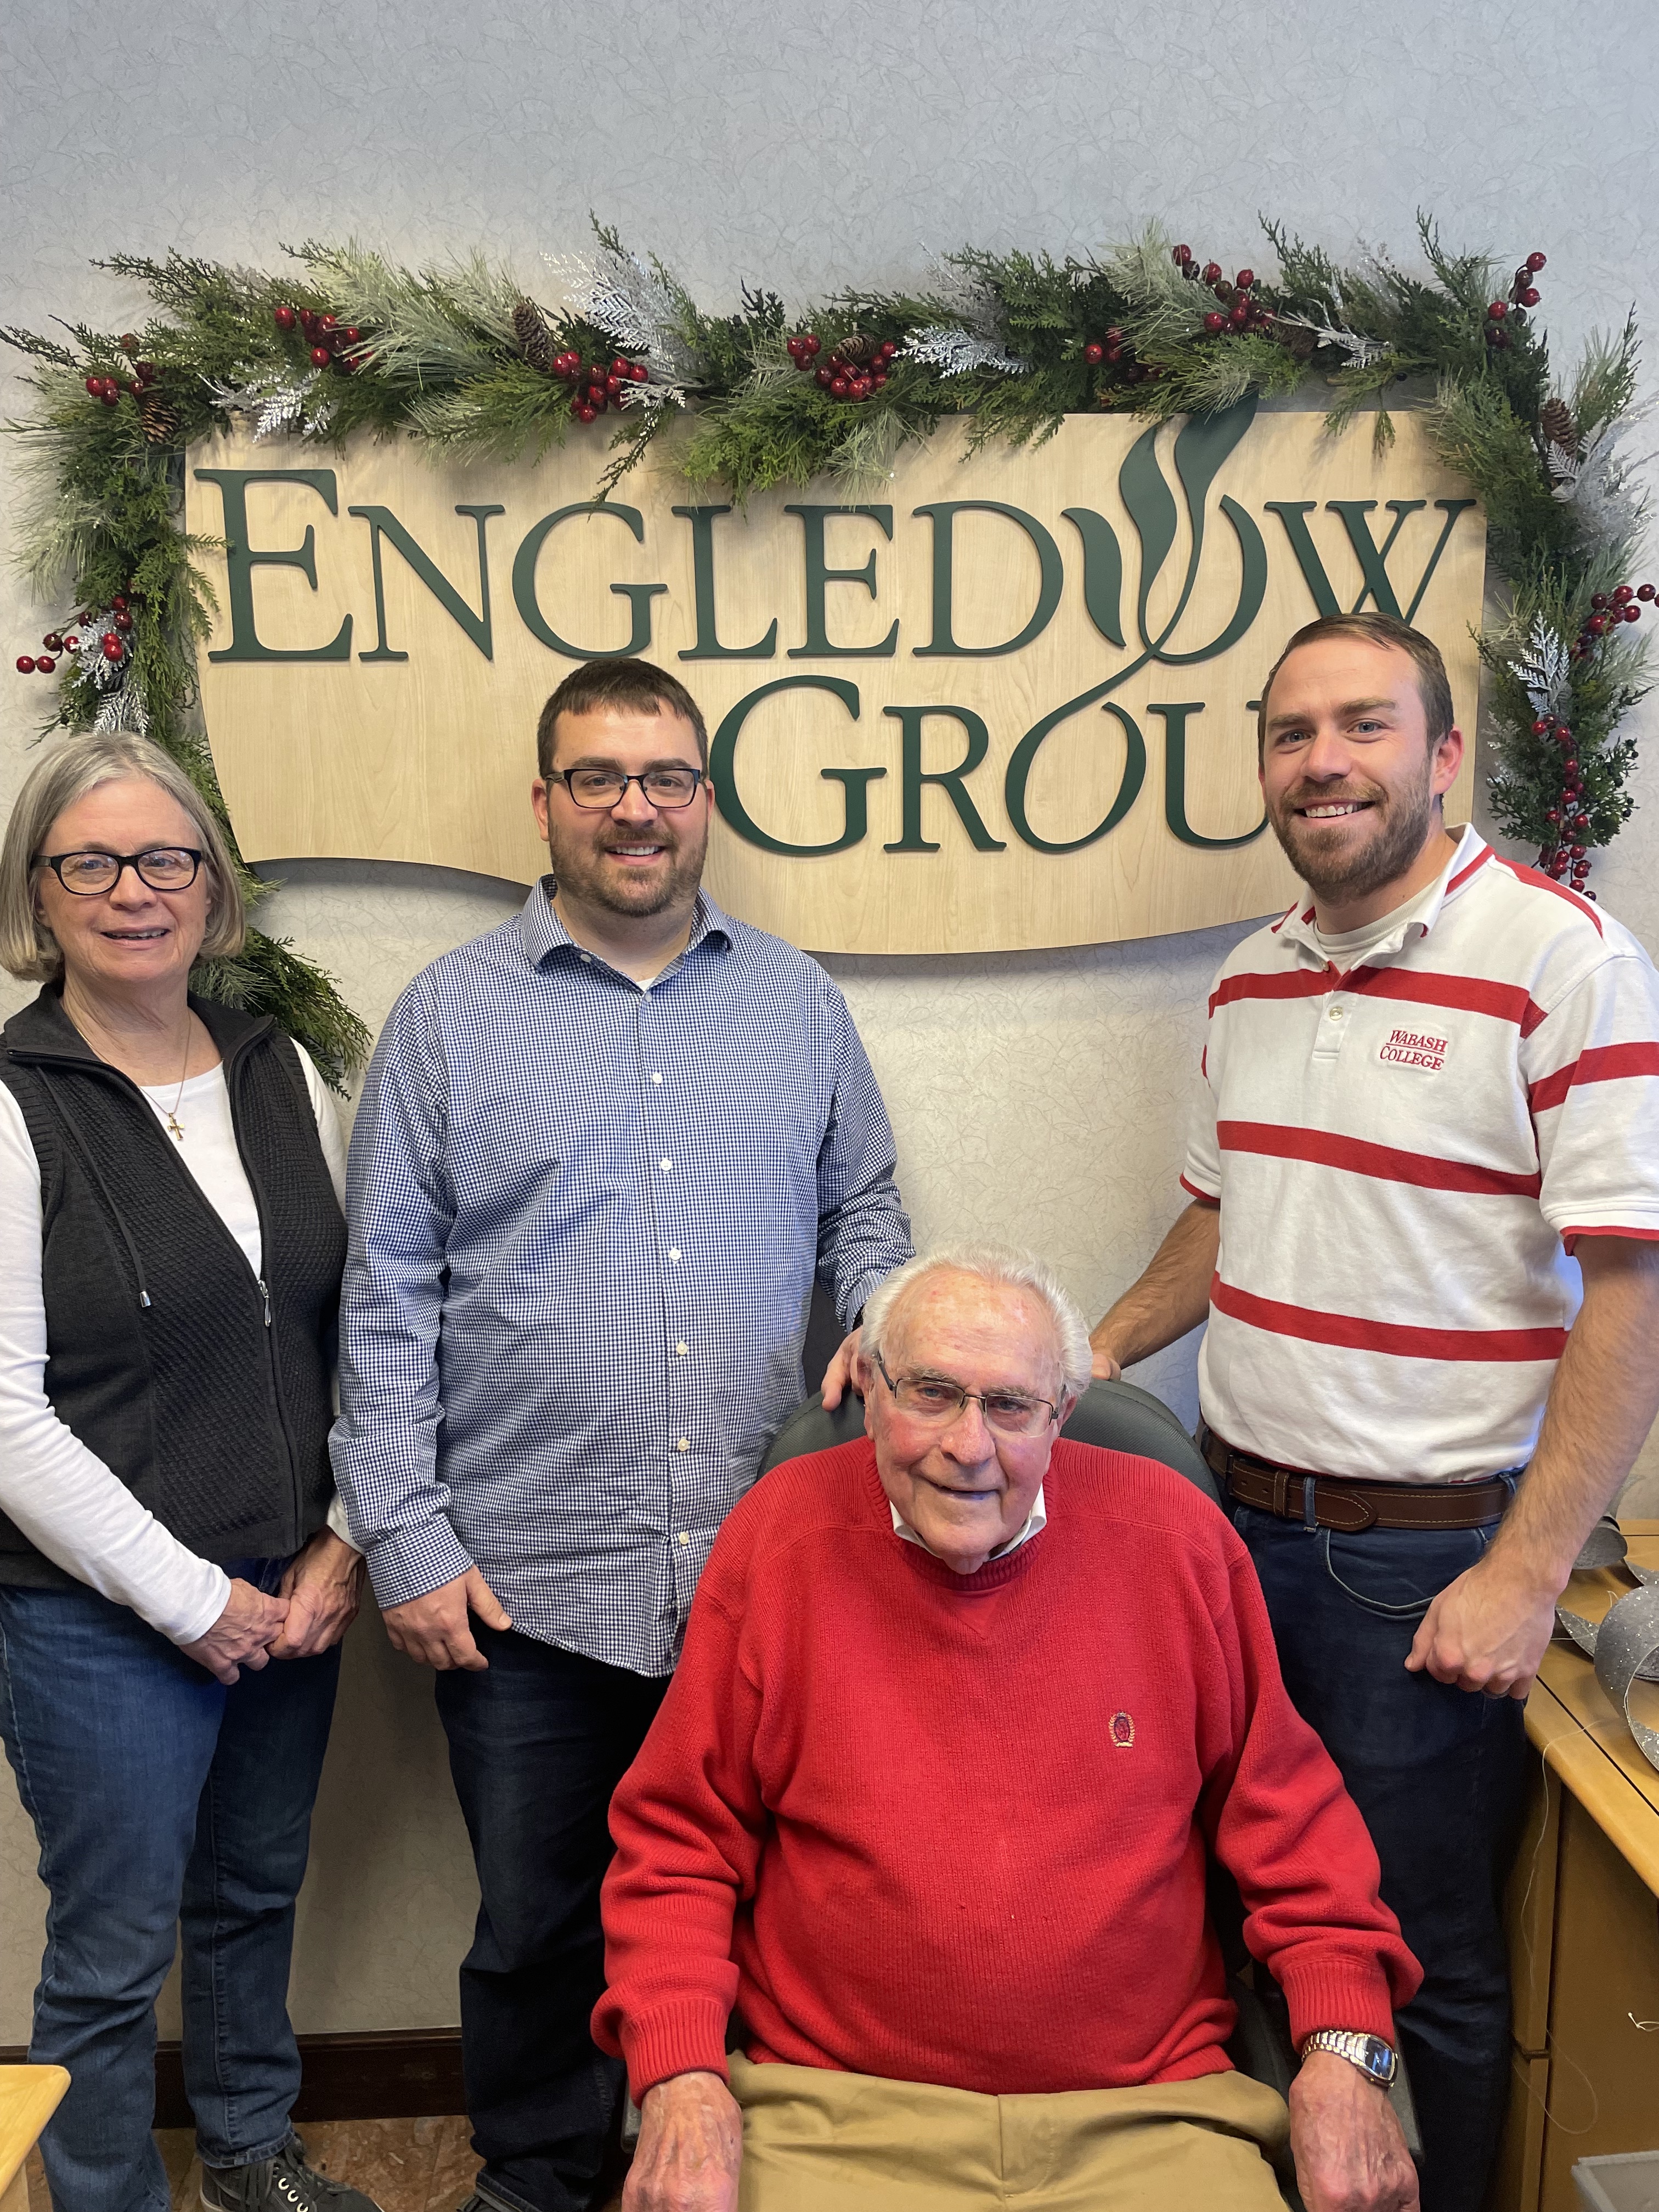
[1415,1048]
[1123,1730]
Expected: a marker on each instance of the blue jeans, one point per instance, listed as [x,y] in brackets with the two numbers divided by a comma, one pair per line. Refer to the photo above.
[1438,1773]
[537,1744]
[163,1800]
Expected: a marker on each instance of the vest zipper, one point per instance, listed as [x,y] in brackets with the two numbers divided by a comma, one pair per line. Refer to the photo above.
[233,1066]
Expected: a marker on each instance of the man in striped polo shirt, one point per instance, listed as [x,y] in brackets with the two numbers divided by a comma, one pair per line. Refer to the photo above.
[1424,1234]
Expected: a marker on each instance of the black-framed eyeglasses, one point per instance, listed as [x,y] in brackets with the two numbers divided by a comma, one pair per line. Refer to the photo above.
[163,867]
[597,789]
[935,1398]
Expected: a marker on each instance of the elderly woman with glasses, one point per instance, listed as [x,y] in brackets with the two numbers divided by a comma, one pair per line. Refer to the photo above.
[172,1596]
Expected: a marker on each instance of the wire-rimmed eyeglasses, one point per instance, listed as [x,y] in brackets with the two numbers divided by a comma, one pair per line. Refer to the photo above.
[936,1398]
[163,867]
[598,789]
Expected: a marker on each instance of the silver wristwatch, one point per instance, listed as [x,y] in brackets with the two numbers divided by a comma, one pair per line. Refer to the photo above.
[1375,2058]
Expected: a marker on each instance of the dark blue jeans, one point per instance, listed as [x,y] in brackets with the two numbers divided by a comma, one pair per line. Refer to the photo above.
[164,1803]
[1438,1773]
[537,1745]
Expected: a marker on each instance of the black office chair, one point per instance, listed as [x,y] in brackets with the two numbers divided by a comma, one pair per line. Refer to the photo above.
[1120,1417]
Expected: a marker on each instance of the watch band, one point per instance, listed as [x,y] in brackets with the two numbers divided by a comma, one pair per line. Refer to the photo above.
[1375,2059]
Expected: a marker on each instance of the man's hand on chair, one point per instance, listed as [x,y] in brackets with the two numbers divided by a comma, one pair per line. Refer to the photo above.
[1350,2153]
[838,1376]
[691,2148]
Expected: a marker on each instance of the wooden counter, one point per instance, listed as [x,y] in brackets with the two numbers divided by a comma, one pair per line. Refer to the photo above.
[28,2098]
[1584,1919]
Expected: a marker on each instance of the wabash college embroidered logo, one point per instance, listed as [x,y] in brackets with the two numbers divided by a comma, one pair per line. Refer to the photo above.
[1123,1730]
[1414,1049]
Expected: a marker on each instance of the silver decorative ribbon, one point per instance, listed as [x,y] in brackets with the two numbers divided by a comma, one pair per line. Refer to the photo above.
[1625,1644]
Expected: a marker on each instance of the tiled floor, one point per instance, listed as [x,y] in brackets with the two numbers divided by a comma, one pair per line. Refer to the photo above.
[405,2165]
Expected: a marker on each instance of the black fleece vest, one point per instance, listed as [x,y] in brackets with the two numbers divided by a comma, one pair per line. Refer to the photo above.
[204,1389]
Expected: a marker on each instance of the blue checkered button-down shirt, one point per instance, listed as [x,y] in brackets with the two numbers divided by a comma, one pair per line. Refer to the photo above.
[585,1219]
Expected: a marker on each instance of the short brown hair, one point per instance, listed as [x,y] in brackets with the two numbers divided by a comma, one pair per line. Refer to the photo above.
[80,764]
[1375,629]
[620,686]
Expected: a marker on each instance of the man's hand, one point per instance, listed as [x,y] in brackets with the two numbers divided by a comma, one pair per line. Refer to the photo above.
[1106,1369]
[324,1586]
[237,1639]
[435,1629]
[838,1375]
[691,2148]
[1350,2153]
[1487,1631]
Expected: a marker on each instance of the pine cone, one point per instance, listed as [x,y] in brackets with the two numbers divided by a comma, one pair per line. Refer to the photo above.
[1555,420]
[859,350]
[532,333]
[159,419]
[1300,344]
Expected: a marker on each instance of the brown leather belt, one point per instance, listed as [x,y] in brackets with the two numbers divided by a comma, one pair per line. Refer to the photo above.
[1349,1505]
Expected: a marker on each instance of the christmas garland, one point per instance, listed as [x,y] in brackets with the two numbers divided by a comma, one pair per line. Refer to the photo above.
[464,359]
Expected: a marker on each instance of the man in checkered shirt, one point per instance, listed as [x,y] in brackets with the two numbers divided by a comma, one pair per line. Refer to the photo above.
[602,1156]
[1424,1235]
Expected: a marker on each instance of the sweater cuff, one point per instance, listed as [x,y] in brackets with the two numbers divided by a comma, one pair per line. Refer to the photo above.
[689,2037]
[1336,1989]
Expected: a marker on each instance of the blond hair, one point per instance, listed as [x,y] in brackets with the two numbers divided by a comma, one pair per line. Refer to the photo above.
[28,948]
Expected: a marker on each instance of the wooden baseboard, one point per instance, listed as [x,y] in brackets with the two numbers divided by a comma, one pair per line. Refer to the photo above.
[404,2073]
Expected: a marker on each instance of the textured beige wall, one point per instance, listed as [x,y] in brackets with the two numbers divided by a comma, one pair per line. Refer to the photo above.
[1034,1096]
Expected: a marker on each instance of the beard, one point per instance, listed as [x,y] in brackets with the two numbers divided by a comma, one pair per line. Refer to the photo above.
[1341,866]
[583,871]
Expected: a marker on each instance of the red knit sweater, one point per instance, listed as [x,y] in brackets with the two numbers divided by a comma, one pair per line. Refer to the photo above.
[954,1829]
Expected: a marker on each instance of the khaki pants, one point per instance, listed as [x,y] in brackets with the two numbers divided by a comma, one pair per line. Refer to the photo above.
[819,2142]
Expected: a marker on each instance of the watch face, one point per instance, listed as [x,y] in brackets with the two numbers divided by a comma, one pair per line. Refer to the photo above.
[1376,2058]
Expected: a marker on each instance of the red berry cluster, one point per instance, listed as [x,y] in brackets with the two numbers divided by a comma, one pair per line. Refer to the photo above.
[109,388]
[843,376]
[1607,611]
[1567,855]
[115,643]
[325,335]
[1523,294]
[594,387]
[1239,310]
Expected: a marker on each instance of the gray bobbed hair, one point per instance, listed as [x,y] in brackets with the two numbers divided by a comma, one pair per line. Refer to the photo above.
[991,1263]
[28,948]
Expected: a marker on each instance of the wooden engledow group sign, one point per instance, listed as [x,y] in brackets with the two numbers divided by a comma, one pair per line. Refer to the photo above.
[1007,702]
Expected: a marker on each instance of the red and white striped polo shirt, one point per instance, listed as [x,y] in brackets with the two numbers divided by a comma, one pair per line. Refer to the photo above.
[1404,1156]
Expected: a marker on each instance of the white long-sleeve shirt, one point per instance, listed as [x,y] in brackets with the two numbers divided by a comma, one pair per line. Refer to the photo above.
[63,1496]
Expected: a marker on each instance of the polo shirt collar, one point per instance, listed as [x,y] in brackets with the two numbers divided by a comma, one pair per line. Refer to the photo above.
[544,937]
[1296,927]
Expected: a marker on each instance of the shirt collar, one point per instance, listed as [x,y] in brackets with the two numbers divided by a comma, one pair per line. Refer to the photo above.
[1296,927]
[1036,1519]
[544,936]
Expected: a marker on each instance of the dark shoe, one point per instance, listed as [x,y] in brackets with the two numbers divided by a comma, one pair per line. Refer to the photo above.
[283,2184]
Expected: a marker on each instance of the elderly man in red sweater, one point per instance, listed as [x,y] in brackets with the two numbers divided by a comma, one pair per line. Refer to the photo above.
[964,1710]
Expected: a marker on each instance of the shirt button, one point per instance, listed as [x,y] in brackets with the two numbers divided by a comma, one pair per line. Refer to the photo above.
[685,1444]
[587,960]
[667,1166]
[1335,1014]
[685,1538]
[673,1251]
[681,1349]
[656,1078]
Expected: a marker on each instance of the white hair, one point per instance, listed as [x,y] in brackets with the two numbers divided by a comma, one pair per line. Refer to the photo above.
[991,1263]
